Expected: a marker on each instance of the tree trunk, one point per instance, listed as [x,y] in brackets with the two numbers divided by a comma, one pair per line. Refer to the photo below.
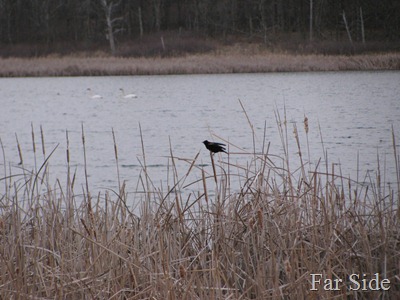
[110,34]
[311,20]
[110,31]
[362,26]
[263,20]
[140,21]
[347,28]
[157,13]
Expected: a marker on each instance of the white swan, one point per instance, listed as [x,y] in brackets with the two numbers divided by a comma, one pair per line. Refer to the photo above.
[127,96]
[94,96]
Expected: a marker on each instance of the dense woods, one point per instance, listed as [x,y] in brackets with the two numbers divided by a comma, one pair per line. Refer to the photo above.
[90,23]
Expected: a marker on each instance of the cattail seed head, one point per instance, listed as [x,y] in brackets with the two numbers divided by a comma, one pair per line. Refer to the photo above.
[306,124]
[182,271]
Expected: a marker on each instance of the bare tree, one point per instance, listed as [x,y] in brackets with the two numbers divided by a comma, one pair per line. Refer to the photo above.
[140,21]
[157,13]
[110,8]
[42,14]
[347,28]
[362,26]
[262,4]
[5,19]
[311,20]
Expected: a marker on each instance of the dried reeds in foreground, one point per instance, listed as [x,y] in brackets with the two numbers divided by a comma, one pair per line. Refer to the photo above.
[263,241]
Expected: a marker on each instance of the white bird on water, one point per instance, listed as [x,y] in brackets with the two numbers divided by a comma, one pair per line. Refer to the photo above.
[94,96]
[127,96]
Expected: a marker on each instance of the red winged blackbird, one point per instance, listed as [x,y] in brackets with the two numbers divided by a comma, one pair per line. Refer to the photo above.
[215,147]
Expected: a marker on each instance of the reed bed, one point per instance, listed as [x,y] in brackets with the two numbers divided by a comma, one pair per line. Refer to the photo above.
[221,61]
[260,240]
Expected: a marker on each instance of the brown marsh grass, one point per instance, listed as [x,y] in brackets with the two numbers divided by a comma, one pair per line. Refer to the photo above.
[226,60]
[262,241]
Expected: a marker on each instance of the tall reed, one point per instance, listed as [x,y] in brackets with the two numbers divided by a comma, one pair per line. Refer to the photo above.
[260,240]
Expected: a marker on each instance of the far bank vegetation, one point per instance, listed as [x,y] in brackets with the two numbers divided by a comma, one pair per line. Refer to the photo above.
[169,28]
[218,62]
[80,38]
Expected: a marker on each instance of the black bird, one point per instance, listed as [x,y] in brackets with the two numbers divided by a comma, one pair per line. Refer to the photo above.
[215,147]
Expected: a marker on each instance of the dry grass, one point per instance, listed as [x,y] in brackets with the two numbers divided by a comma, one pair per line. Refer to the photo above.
[261,240]
[224,60]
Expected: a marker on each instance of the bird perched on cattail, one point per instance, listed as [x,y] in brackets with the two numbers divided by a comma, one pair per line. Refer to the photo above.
[215,147]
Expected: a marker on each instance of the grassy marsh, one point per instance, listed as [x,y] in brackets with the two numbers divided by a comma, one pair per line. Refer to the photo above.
[261,241]
[225,60]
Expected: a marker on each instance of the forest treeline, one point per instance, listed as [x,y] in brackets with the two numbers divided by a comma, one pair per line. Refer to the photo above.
[89,23]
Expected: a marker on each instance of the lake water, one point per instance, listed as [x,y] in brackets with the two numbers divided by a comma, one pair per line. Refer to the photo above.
[355,111]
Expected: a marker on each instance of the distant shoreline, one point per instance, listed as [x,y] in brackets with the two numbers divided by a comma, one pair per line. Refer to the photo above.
[210,63]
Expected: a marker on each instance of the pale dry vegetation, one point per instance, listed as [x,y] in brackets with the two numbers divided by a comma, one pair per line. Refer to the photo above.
[225,60]
[260,240]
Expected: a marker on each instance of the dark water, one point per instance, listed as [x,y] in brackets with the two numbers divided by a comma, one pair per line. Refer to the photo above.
[355,112]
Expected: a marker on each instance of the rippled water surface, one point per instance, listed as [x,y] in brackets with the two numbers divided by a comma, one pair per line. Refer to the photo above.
[354,110]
